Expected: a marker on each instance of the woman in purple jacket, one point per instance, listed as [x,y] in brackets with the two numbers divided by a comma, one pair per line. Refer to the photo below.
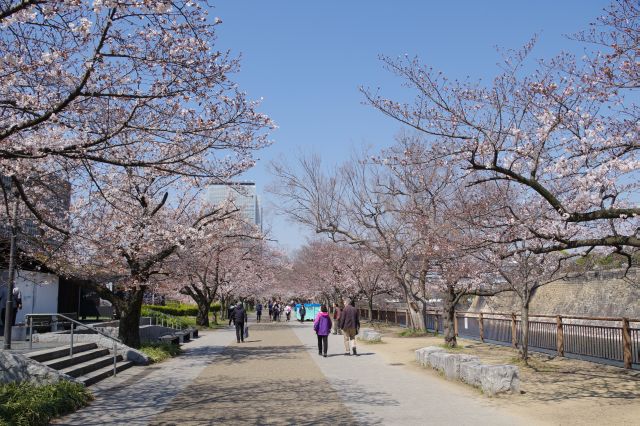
[322,327]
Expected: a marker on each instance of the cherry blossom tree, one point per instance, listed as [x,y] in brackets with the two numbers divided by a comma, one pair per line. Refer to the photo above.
[565,134]
[320,271]
[122,231]
[87,86]
[523,273]
[395,207]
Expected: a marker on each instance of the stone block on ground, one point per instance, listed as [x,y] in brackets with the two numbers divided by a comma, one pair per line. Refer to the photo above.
[423,354]
[437,360]
[471,373]
[372,336]
[497,379]
[452,364]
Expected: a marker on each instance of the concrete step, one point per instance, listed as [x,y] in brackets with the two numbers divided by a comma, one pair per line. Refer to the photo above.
[104,372]
[89,366]
[77,358]
[59,352]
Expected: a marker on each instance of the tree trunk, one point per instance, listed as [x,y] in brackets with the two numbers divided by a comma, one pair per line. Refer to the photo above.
[370,306]
[524,346]
[424,315]
[202,319]
[449,319]
[130,307]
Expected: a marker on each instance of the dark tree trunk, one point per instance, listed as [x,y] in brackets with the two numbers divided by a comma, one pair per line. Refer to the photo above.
[424,315]
[202,319]
[449,318]
[370,306]
[130,307]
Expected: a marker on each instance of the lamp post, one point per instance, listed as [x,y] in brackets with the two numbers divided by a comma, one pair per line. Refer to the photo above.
[8,315]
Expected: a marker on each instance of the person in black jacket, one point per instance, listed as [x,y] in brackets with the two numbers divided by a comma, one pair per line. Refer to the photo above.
[240,318]
[230,313]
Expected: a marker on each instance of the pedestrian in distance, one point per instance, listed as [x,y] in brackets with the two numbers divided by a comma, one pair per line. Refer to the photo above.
[336,318]
[350,326]
[259,311]
[270,310]
[322,327]
[287,311]
[302,311]
[230,311]
[276,312]
[240,318]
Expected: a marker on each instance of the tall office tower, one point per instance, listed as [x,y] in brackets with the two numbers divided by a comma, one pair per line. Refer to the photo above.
[243,195]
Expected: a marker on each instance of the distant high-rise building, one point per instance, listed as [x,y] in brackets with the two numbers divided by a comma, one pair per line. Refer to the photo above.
[242,195]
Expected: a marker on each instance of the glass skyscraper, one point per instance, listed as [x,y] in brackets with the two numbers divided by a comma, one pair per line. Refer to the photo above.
[242,195]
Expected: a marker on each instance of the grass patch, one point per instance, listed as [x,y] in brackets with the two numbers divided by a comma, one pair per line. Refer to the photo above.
[413,332]
[160,351]
[372,342]
[30,404]
[457,348]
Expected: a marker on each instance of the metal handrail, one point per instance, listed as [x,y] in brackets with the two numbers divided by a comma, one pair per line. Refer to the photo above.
[173,318]
[74,322]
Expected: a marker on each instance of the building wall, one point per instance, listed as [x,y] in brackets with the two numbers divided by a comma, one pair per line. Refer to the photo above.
[39,292]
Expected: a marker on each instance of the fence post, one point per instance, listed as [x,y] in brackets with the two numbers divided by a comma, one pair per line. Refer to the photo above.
[481,326]
[514,331]
[455,323]
[559,336]
[626,343]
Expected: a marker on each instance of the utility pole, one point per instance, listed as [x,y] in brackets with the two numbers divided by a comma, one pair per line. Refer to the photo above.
[8,315]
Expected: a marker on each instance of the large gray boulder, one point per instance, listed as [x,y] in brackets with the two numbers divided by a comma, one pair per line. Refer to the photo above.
[16,367]
[500,379]
[471,373]
[452,364]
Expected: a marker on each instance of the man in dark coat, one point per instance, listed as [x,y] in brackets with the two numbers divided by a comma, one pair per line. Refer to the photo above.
[302,311]
[230,311]
[350,326]
[240,318]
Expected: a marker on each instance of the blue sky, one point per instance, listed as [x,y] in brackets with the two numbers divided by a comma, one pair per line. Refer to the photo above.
[307,59]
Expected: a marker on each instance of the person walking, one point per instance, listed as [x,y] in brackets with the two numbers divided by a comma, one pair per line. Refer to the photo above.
[240,318]
[350,326]
[287,311]
[259,311]
[336,318]
[302,311]
[276,312]
[16,300]
[322,327]
[230,311]
[270,310]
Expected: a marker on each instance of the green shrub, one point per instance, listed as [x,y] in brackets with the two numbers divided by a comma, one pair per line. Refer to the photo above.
[159,351]
[216,307]
[181,310]
[29,404]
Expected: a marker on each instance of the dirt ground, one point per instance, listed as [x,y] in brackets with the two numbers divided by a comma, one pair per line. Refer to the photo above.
[555,390]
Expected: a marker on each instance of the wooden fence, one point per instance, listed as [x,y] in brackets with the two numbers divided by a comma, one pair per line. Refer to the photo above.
[599,339]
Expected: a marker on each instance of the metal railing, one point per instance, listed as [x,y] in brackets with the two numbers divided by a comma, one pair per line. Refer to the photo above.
[74,324]
[599,339]
[167,320]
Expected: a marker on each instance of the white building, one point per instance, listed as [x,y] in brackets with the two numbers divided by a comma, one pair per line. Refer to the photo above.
[242,195]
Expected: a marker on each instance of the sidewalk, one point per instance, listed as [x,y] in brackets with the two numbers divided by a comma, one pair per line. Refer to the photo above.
[136,395]
[388,394]
[277,377]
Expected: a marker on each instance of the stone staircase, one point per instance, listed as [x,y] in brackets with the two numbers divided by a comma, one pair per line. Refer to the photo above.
[89,363]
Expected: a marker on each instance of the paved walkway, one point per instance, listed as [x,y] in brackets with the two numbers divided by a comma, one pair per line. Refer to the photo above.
[277,377]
